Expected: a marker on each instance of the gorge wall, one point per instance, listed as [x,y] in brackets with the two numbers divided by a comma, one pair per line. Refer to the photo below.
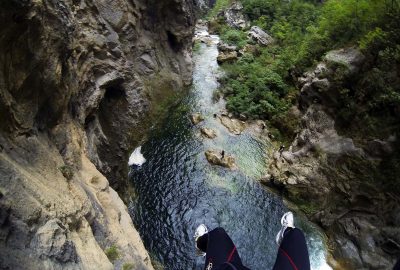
[80,83]
[336,177]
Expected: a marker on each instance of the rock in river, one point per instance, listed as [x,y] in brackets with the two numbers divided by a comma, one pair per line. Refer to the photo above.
[208,132]
[215,158]
[196,118]
[234,126]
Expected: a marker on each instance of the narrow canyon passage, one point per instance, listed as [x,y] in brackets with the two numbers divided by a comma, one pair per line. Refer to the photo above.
[177,189]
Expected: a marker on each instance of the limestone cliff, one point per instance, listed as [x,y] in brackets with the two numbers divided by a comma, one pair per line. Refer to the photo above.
[80,82]
[332,176]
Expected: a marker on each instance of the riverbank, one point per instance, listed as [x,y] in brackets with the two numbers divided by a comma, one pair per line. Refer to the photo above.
[339,127]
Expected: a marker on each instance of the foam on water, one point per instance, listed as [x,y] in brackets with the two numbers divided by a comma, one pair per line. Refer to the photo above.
[136,157]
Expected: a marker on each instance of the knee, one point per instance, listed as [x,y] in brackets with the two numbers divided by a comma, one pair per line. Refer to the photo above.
[220,230]
[298,233]
[294,235]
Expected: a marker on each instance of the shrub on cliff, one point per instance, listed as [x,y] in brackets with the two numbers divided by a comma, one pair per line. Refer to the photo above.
[253,90]
[112,253]
[234,37]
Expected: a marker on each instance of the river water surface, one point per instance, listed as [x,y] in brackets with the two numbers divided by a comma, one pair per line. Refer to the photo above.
[177,189]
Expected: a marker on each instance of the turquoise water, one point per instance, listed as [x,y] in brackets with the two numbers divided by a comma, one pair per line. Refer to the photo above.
[177,189]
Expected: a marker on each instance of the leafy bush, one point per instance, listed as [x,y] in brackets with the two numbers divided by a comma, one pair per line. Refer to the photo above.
[219,5]
[196,46]
[112,253]
[373,40]
[254,90]
[127,266]
[234,37]
[287,123]
[217,25]
[348,20]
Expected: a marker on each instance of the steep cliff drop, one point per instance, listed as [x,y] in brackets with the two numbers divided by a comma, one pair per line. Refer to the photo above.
[339,172]
[77,79]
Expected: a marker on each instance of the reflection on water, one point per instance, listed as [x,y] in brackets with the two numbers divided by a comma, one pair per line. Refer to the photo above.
[177,189]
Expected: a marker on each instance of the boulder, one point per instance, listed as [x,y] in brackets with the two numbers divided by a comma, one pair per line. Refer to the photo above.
[227,57]
[203,6]
[379,148]
[259,36]
[208,133]
[242,117]
[215,158]
[321,84]
[196,118]
[222,46]
[234,16]
[201,29]
[203,39]
[224,113]
[234,126]
[375,261]
[351,58]
[348,252]
[201,34]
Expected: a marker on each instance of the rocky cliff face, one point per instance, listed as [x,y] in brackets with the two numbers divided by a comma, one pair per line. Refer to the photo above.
[331,176]
[204,5]
[80,82]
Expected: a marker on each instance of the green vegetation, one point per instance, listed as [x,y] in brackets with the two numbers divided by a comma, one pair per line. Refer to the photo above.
[219,5]
[112,253]
[127,266]
[260,84]
[197,46]
[234,37]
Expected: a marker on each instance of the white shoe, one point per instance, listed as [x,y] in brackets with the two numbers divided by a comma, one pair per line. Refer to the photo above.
[286,222]
[200,231]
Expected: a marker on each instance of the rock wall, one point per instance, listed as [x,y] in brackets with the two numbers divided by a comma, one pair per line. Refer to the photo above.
[80,83]
[204,5]
[331,177]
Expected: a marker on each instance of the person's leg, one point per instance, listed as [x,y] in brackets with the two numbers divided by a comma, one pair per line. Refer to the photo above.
[219,249]
[293,252]
[202,242]
[397,266]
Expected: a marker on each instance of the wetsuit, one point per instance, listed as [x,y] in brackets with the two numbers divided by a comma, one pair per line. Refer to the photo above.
[292,253]
[397,266]
[221,253]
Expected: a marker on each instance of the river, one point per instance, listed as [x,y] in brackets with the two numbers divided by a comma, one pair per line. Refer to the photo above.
[177,189]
